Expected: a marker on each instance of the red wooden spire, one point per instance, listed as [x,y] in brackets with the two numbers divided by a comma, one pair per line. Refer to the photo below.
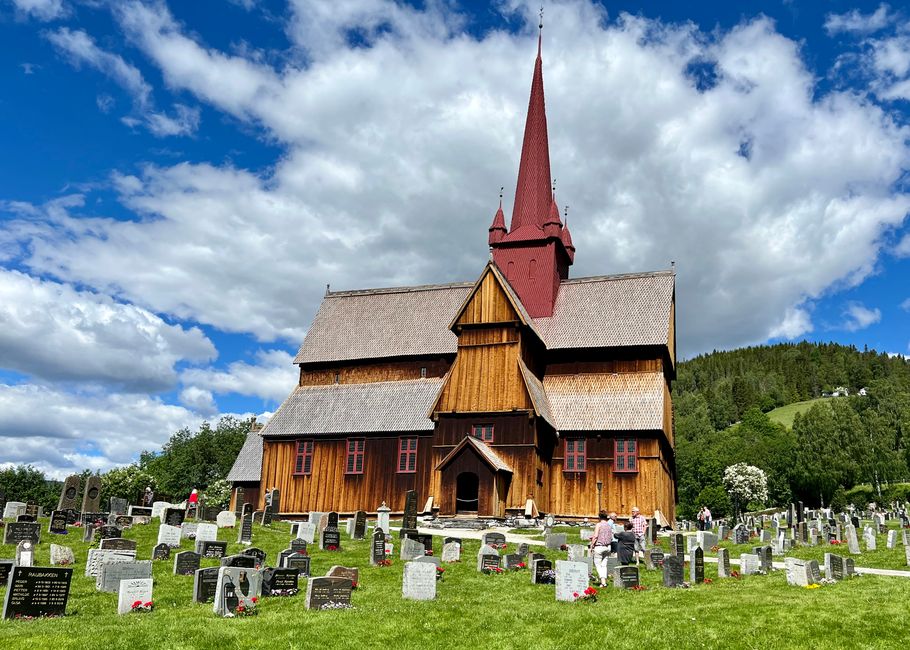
[498,229]
[532,194]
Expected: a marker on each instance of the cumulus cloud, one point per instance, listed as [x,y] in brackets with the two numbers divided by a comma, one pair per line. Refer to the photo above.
[53,332]
[199,400]
[41,9]
[903,247]
[857,316]
[855,21]
[906,305]
[273,377]
[796,322]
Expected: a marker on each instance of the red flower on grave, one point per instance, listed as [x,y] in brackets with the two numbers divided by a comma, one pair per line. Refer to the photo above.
[439,569]
[708,581]
[353,584]
[148,604]
[430,553]
[590,591]
[137,603]
[575,595]
[331,547]
[254,599]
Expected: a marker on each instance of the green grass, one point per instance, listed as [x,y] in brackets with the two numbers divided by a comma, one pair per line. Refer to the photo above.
[785,414]
[474,611]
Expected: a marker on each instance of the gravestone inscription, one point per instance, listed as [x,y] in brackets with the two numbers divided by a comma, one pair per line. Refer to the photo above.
[280,582]
[245,535]
[538,567]
[239,561]
[360,524]
[132,591]
[186,563]
[697,566]
[571,578]
[211,549]
[299,562]
[328,593]
[118,543]
[236,588]
[377,547]
[673,571]
[418,581]
[37,591]
[723,563]
[626,577]
[205,584]
[161,552]
[16,532]
[111,573]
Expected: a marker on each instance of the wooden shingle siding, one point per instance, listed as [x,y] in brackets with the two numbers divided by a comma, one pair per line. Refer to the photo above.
[373,372]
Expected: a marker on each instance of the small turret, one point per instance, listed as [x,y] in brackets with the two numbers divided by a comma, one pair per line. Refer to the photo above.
[552,227]
[566,237]
[498,229]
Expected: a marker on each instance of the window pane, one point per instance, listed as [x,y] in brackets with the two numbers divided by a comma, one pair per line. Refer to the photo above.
[570,446]
[631,447]
[581,446]
[620,464]
[620,447]
[307,464]
[581,464]
[631,462]
[412,463]
[570,463]
[299,466]
[413,444]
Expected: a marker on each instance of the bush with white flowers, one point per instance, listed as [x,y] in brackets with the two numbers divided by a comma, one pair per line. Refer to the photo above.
[746,484]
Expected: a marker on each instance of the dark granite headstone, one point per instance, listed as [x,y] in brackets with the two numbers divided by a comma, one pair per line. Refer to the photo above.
[37,591]
[16,532]
[426,540]
[205,583]
[625,577]
[279,582]
[299,562]
[161,552]
[123,521]
[298,545]
[654,557]
[239,501]
[211,549]
[91,499]
[697,566]
[69,495]
[331,592]
[815,574]
[240,561]
[109,532]
[452,539]
[332,520]
[539,566]
[741,535]
[6,567]
[174,516]
[119,506]
[377,547]
[674,574]
[256,553]
[512,560]
[186,563]
[677,545]
[489,562]
[245,534]
[267,516]
[118,544]
[409,520]
[360,524]
[330,538]
[273,498]
[58,523]
[836,567]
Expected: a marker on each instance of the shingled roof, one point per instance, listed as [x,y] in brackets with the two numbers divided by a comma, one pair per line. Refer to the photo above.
[248,465]
[606,402]
[356,408]
[489,456]
[596,312]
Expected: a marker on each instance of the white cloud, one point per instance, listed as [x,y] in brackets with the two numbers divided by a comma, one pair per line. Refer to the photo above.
[199,400]
[273,377]
[53,332]
[184,122]
[857,316]
[903,247]
[854,21]
[29,68]
[906,305]
[42,9]
[395,151]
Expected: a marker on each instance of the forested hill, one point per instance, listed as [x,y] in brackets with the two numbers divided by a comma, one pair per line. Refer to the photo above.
[840,449]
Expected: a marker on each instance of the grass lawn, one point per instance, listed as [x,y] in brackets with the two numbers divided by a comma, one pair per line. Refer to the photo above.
[785,414]
[473,611]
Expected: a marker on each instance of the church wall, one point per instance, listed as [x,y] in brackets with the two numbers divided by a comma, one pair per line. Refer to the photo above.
[366,372]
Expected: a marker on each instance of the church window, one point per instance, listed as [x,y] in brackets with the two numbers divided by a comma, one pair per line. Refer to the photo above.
[304,464]
[625,455]
[483,432]
[423,372]
[575,455]
[354,463]
[407,455]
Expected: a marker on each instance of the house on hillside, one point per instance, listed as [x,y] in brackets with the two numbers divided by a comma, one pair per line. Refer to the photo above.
[523,388]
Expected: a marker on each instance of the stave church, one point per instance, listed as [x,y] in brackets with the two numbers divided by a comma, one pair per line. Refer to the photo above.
[524,391]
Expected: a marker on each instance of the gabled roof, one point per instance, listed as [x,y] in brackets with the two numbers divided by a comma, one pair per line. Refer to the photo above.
[538,394]
[248,465]
[486,454]
[514,300]
[596,312]
[384,406]
[607,402]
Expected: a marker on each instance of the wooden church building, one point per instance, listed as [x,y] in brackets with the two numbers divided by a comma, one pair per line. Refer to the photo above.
[524,388]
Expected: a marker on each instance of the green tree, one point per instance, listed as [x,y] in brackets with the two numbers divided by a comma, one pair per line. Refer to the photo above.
[29,485]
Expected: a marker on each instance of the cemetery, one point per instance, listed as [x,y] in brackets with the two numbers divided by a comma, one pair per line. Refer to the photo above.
[263,586]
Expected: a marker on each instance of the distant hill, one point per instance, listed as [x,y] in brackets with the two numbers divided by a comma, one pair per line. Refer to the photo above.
[785,414]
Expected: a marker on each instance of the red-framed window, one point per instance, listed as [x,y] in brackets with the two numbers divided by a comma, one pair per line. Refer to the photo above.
[354,462]
[483,432]
[304,463]
[575,455]
[407,455]
[625,455]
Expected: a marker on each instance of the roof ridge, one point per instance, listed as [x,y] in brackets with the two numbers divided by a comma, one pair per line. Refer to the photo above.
[406,289]
[373,384]
[620,276]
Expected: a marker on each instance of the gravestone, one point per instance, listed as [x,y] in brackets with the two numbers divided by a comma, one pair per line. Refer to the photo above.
[332,521]
[707,540]
[798,572]
[626,577]
[538,566]
[161,552]
[245,536]
[89,531]
[576,552]
[749,564]
[523,550]
[236,587]
[654,557]
[382,517]
[12,509]
[429,559]
[360,524]
[892,539]
[239,500]
[418,581]
[205,584]
[118,506]
[25,553]
[410,549]
[298,546]
[273,499]
[722,532]
[91,499]
[571,578]
[307,532]
[409,519]
[267,515]
[585,534]
[764,558]
[280,582]
[377,547]
[554,541]
[256,553]
[723,563]
[6,568]
[907,554]
[226,519]
[37,591]
[426,540]
[60,556]
[487,559]
[834,566]
[211,549]
[123,521]
[174,516]
[69,494]
[852,541]
[330,539]
[118,543]
[497,538]
[111,573]
[206,532]
[16,532]
[349,527]
[869,539]
[451,552]
[677,546]
[512,560]
[282,556]
[351,573]
[109,532]
[169,535]
[186,563]
[139,511]
[133,590]
[697,566]
[331,593]
[299,562]
[239,561]
[740,534]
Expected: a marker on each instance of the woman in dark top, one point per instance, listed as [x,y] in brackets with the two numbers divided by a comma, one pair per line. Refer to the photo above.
[626,550]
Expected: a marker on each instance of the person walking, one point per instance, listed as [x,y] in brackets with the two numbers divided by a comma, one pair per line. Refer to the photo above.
[706,518]
[639,526]
[601,542]
[627,545]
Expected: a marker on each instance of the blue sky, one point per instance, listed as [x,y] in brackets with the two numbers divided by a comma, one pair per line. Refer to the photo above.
[179,182]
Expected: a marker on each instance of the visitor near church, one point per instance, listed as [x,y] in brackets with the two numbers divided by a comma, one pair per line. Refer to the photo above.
[601,543]
[626,545]
[639,526]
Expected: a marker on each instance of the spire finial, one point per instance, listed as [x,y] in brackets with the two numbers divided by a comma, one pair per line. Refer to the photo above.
[500,195]
[540,32]
[554,189]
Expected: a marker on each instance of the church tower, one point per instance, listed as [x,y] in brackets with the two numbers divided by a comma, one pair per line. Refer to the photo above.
[536,252]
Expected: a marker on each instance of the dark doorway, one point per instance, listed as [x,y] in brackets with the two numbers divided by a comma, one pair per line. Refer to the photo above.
[467,487]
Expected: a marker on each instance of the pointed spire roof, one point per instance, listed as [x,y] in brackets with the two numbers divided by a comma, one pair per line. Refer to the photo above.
[532,194]
[498,228]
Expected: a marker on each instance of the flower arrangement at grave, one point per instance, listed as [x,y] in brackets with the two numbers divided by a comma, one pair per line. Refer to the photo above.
[735,574]
[548,577]
[77,524]
[331,547]
[715,548]
[835,542]
[638,588]
[64,562]
[828,581]
[283,592]
[140,607]
[440,573]
[813,586]
[499,546]
[385,562]
[353,584]
[493,570]
[247,609]
[708,581]
[336,605]
[589,595]
[519,566]
[564,547]
[428,552]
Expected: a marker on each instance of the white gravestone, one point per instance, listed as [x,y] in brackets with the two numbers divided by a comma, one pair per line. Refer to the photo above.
[226,519]
[111,573]
[169,535]
[131,591]
[96,556]
[571,579]
[207,533]
[158,508]
[62,555]
[307,532]
[411,549]
[451,552]
[236,586]
[419,581]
